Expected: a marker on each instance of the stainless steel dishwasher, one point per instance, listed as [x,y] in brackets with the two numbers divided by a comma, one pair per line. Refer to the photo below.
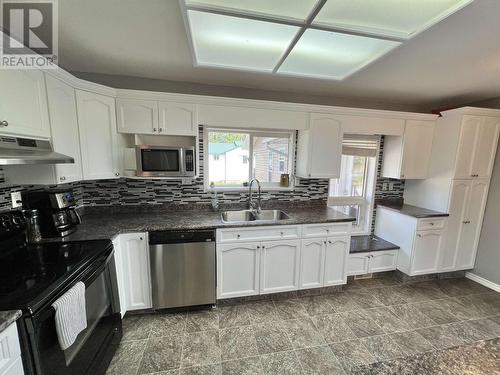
[182,268]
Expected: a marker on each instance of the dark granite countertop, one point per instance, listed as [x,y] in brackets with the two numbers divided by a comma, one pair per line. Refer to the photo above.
[7,318]
[364,244]
[409,210]
[106,223]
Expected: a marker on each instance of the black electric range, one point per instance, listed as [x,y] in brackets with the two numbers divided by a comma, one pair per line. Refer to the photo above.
[34,276]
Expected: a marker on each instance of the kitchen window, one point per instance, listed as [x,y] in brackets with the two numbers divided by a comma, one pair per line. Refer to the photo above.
[234,157]
[355,189]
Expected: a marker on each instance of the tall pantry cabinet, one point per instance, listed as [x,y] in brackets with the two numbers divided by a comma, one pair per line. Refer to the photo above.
[464,149]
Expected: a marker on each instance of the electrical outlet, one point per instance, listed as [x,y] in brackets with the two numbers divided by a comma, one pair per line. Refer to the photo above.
[384,186]
[391,186]
[16,199]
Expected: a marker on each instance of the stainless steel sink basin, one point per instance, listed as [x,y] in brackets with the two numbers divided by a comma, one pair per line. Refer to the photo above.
[248,215]
[232,216]
[274,215]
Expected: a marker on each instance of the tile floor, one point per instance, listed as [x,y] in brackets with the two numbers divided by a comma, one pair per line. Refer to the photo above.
[372,321]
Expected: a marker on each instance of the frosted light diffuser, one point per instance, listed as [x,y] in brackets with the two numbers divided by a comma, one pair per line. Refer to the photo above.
[294,9]
[331,55]
[396,18]
[240,43]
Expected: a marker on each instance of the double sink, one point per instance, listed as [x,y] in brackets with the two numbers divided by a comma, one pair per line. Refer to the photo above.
[253,215]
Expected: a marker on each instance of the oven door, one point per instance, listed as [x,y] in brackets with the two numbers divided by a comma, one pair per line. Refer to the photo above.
[157,161]
[94,347]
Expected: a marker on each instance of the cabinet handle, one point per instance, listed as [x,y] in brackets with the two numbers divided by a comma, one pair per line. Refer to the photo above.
[238,236]
[263,247]
[419,235]
[62,178]
[4,124]
[258,247]
[324,242]
[117,174]
[140,238]
[466,222]
[330,242]
[281,233]
[431,223]
[154,129]
[160,130]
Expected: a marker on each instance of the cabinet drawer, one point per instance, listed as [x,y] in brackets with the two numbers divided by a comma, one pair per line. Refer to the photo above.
[324,230]
[431,223]
[258,233]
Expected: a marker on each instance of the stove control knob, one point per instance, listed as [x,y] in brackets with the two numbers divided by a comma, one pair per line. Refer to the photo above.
[16,220]
[5,221]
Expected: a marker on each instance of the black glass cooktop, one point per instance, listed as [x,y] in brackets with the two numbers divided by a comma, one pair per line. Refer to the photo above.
[31,274]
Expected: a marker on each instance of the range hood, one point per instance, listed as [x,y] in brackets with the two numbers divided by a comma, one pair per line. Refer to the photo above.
[18,151]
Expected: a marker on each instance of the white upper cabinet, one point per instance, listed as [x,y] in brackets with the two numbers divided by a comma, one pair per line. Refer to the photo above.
[64,126]
[23,103]
[178,118]
[408,157]
[477,146]
[98,137]
[319,148]
[137,116]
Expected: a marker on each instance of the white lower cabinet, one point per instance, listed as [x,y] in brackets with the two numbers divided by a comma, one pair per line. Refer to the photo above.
[420,247]
[133,271]
[372,262]
[10,352]
[426,252]
[279,266]
[270,266]
[238,269]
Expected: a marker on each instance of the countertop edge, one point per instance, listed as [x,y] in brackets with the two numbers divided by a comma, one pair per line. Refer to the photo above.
[8,317]
[416,216]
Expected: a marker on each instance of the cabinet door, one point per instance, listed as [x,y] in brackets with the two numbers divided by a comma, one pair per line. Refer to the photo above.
[137,116]
[238,269]
[383,261]
[485,147]
[357,264]
[417,149]
[97,125]
[469,238]
[426,252]
[465,151]
[178,118]
[64,126]
[279,266]
[120,275]
[136,270]
[312,255]
[460,195]
[23,103]
[336,254]
[325,146]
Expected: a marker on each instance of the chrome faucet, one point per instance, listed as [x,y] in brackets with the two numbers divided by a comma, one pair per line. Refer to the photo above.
[251,204]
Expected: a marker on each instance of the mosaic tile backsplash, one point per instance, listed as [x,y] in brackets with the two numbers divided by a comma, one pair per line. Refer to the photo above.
[126,191]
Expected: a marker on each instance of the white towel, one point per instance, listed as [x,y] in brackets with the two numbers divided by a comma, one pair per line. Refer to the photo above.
[71,317]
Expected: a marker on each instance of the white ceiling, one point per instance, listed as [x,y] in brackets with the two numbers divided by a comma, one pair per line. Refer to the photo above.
[454,62]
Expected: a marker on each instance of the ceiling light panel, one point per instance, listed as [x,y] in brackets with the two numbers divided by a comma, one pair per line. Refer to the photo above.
[290,9]
[392,18]
[239,43]
[331,55]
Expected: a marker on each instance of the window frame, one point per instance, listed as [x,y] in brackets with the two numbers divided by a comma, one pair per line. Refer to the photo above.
[265,186]
[367,201]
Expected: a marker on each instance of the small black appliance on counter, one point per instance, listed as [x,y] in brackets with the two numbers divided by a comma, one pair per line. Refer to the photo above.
[57,210]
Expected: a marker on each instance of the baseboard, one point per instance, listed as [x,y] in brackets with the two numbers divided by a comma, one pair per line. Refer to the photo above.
[483,281]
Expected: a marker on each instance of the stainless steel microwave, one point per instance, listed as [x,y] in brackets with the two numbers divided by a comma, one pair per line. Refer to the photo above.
[162,161]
